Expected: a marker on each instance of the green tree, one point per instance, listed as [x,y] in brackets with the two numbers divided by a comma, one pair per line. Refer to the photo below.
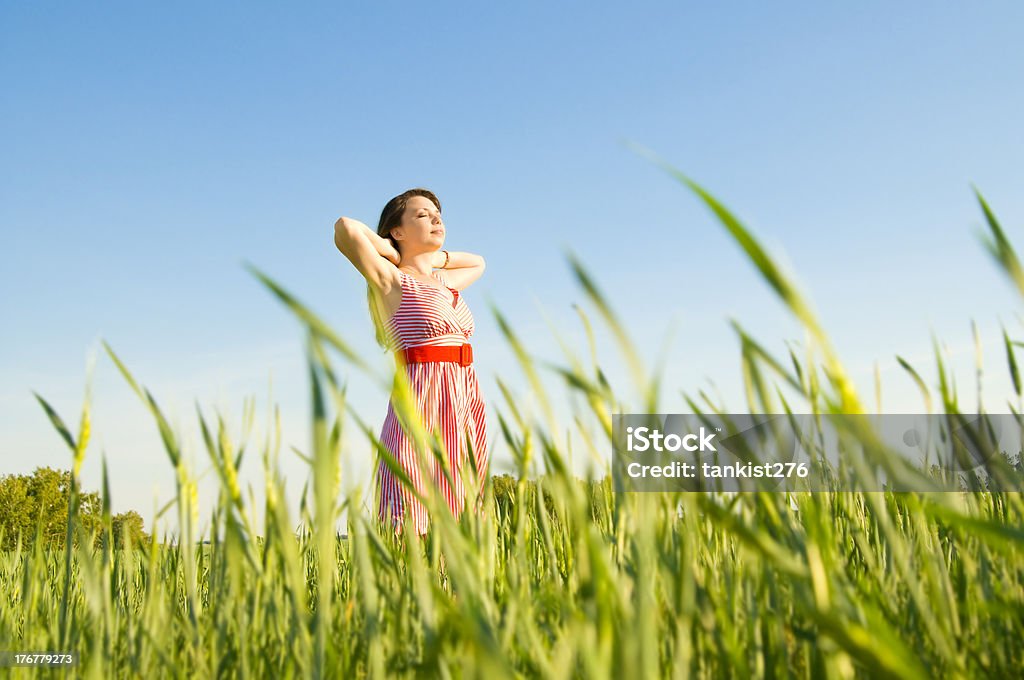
[38,503]
[130,522]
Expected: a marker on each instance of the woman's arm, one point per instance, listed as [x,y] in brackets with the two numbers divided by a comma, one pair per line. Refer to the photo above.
[347,225]
[462,268]
[374,257]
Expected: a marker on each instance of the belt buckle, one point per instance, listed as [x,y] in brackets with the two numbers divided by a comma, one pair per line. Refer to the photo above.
[465,355]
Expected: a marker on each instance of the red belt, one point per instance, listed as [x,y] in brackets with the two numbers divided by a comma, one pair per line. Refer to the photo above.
[462,354]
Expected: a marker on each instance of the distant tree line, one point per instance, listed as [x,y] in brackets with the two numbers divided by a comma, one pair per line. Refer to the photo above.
[37,504]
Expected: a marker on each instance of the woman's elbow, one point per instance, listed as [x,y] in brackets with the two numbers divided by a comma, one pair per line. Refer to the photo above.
[342,233]
[341,226]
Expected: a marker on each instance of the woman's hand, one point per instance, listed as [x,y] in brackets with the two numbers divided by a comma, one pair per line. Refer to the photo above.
[389,253]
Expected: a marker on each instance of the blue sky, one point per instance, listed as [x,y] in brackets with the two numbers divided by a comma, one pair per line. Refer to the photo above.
[149,151]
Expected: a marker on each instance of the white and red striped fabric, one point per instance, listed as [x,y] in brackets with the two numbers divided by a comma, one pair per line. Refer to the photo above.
[448,397]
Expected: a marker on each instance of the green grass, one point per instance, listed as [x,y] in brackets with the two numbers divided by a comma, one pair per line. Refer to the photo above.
[561,577]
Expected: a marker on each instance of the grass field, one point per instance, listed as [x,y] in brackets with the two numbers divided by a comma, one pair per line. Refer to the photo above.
[561,577]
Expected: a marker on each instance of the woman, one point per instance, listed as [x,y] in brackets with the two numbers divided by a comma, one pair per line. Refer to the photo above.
[419,313]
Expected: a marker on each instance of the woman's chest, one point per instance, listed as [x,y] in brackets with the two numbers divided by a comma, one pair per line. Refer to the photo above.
[428,311]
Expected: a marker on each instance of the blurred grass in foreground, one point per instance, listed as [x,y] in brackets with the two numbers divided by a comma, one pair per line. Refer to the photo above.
[561,577]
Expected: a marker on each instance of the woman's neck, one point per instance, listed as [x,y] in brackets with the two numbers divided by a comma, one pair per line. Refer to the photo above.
[419,263]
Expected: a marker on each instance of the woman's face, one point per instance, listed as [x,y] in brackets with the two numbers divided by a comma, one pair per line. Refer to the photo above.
[422,229]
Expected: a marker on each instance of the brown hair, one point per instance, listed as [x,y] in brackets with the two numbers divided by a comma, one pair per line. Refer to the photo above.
[390,218]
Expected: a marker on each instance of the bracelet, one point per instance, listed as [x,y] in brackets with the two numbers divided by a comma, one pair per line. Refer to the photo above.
[445,265]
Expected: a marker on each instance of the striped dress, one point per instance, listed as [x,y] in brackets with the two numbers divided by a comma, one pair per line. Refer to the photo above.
[448,397]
